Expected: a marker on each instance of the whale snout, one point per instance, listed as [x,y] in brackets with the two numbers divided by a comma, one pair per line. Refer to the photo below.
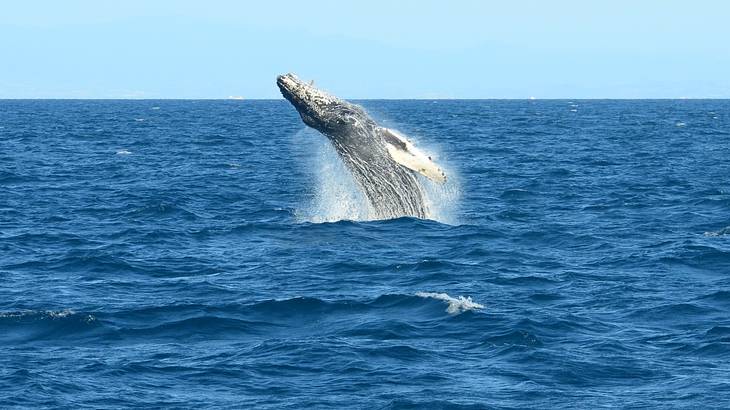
[288,84]
[286,80]
[318,109]
[314,105]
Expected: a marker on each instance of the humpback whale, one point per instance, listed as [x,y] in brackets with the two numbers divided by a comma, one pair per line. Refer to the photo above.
[383,162]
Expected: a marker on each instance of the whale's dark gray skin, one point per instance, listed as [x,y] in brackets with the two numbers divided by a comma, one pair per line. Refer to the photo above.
[367,149]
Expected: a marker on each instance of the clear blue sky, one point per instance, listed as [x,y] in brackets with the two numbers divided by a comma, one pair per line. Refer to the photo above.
[366,49]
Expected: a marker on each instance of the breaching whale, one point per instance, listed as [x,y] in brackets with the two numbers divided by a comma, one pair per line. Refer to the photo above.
[382,161]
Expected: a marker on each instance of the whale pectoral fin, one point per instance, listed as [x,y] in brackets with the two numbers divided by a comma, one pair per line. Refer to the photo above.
[404,153]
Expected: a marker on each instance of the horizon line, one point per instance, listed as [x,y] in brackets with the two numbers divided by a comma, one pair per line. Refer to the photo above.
[361,99]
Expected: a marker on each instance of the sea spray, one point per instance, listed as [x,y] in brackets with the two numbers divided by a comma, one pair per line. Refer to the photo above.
[442,200]
[335,195]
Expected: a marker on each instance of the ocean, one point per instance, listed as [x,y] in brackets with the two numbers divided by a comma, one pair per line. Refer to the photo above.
[216,254]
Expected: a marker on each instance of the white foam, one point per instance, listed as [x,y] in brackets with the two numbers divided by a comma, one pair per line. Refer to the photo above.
[13,314]
[680,124]
[722,232]
[59,313]
[139,119]
[123,152]
[52,314]
[155,108]
[442,200]
[456,305]
[335,195]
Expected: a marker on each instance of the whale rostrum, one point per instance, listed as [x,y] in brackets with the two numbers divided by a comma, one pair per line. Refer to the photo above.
[382,161]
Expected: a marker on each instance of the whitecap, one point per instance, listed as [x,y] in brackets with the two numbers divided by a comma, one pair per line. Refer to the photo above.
[44,314]
[722,232]
[13,315]
[123,152]
[456,305]
[139,119]
[55,314]
[680,124]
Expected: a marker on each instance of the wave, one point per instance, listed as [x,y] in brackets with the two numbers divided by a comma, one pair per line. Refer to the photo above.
[698,256]
[28,325]
[39,314]
[722,232]
[160,209]
[388,302]
[514,338]
[673,311]
[718,297]
[463,404]
[96,263]
[455,305]
[396,315]
[11,178]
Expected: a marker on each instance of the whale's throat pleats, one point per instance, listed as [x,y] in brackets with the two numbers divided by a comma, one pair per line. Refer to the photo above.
[392,190]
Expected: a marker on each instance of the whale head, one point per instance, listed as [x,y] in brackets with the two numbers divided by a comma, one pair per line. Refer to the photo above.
[353,131]
[318,109]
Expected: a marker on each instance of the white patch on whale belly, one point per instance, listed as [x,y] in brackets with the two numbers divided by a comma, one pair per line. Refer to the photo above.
[406,154]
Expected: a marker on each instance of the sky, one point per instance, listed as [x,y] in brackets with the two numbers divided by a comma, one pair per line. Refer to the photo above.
[366,49]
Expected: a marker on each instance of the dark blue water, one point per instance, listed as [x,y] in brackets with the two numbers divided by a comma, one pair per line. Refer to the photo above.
[155,254]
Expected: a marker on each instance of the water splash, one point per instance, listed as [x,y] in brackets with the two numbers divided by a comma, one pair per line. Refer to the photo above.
[456,305]
[442,200]
[45,315]
[722,232]
[335,196]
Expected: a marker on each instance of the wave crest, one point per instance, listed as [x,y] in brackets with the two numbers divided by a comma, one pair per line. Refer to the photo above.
[456,305]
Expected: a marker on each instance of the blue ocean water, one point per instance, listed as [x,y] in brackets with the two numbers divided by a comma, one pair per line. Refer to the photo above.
[188,254]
